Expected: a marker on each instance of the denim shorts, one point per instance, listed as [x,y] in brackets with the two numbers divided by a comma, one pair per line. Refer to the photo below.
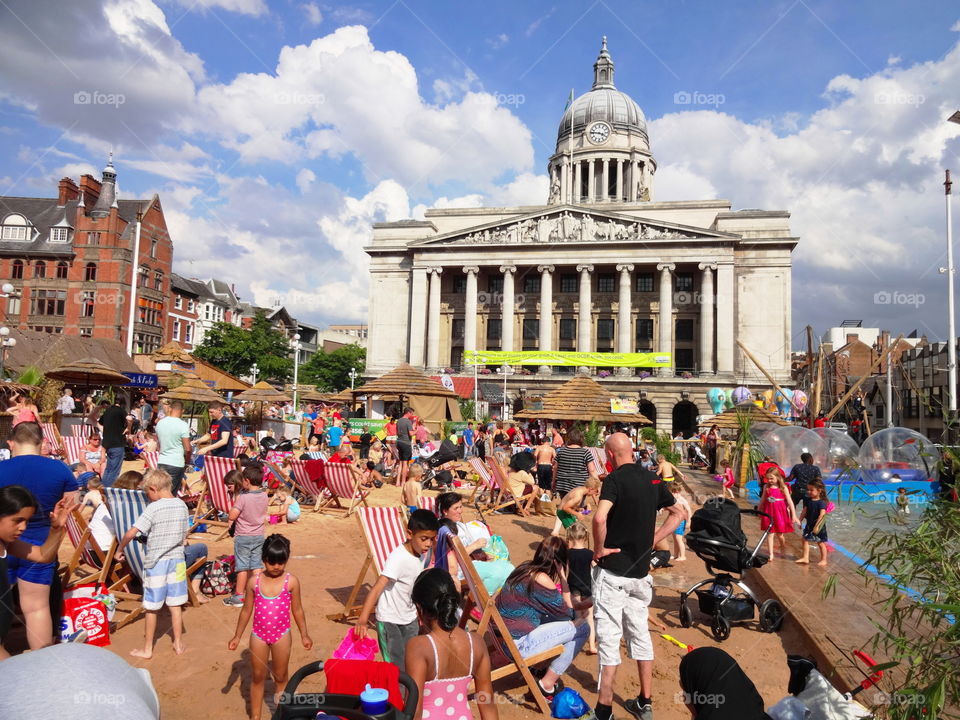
[247,552]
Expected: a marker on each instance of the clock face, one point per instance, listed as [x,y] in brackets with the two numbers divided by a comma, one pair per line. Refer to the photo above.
[599,132]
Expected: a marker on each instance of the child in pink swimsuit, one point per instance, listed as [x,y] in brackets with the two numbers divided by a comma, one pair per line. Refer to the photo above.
[271,599]
[447,653]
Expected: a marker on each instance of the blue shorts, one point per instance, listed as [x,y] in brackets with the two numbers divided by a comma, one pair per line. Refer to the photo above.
[165,584]
[412,508]
[39,573]
[247,552]
[681,528]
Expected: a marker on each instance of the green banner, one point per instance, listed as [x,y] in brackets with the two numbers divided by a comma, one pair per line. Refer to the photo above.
[566,359]
[373,425]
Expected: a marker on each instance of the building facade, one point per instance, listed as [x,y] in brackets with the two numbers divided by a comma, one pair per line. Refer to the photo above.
[71,260]
[602,266]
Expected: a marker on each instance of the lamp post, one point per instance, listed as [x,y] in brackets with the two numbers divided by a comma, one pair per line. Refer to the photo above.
[353,375]
[296,368]
[952,345]
[477,359]
[505,370]
[5,342]
[134,275]
[253,371]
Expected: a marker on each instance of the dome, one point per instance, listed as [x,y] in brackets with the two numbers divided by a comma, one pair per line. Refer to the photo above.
[608,104]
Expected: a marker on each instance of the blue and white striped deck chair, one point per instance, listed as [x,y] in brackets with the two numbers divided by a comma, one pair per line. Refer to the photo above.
[125,507]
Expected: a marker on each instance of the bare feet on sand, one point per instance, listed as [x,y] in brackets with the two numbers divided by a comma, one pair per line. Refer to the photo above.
[140,653]
[179,649]
[802,561]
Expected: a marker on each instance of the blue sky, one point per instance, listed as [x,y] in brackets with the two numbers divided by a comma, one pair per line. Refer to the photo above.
[277,131]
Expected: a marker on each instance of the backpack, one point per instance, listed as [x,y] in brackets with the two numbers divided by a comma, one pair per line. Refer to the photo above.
[218,576]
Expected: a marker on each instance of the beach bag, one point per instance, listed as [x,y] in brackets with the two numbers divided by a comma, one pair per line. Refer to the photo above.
[354,648]
[567,704]
[90,608]
[497,549]
[218,576]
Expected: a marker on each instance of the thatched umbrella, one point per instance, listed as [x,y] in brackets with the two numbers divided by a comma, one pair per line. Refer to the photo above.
[193,390]
[87,371]
[581,398]
[308,393]
[260,393]
[402,381]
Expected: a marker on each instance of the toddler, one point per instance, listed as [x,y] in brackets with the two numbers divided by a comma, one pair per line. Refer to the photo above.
[679,547]
[815,514]
[412,488]
[580,579]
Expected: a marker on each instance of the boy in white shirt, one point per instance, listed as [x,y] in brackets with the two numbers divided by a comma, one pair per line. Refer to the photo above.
[396,615]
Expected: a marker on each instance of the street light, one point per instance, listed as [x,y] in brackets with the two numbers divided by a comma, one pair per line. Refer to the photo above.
[505,370]
[353,375]
[253,371]
[296,368]
[952,346]
[5,342]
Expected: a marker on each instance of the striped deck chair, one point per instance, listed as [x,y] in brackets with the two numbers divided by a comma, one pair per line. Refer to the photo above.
[87,561]
[383,529]
[598,462]
[81,431]
[493,630]
[125,507]
[239,450]
[297,479]
[73,447]
[216,498]
[484,487]
[150,459]
[342,485]
[428,502]
[52,435]
[504,497]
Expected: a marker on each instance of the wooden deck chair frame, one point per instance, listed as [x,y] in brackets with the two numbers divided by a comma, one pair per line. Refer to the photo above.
[492,622]
[86,556]
[381,527]
[208,510]
[342,484]
[504,497]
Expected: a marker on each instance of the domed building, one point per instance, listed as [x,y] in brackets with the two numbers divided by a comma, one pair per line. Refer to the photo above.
[667,286]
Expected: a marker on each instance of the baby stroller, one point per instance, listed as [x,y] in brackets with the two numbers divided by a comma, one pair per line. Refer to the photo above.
[447,452]
[310,705]
[717,539]
[695,456]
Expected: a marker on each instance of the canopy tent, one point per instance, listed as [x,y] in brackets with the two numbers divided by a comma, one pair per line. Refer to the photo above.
[581,398]
[731,419]
[430,400]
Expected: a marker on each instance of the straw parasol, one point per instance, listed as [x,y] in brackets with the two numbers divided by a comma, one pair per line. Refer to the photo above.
[308,393]
[581,398]
[87,371]
[731,419]
[262,392]
[193,390]
[401,381]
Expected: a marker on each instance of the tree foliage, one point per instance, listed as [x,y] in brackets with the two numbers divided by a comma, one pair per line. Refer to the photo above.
[331,371]
[236,350]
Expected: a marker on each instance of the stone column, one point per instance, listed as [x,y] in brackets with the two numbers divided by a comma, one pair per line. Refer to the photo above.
[564,180]
[433,319]
[632,190]
[706,317]
[666,313]
[585,318]
[620,164]
[506,324]
[725,323]
[418,302]
[606,180]
[546,311]
[470,309]
[596,176]
[577,180]
[624,314]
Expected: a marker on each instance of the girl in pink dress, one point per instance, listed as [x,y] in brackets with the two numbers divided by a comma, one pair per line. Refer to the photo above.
[775,502]
[271,599]
[449,655]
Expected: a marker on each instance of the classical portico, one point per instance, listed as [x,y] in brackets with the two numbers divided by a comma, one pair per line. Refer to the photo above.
[600,267]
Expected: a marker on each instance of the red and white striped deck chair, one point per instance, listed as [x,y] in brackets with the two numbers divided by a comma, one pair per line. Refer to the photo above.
[216,497]
[504,497]
[239,450]
[296,477]
[428,502]
[598,461]
[81,431]
[384,529]
[87,561]
[342,484]
[73,447]
[151,458]
[484,485]
[52,436]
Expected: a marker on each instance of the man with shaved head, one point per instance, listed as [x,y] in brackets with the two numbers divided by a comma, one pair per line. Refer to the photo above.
[624,534]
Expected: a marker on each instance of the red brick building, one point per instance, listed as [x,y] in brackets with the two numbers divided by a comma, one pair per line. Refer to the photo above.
[182,316]
[71,260]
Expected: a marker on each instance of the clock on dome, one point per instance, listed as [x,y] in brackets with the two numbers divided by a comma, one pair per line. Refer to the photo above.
[599,132]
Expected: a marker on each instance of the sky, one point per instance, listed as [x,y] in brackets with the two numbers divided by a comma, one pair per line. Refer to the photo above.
[277,131]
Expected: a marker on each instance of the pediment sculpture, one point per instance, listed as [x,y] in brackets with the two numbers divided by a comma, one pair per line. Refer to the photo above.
[569,227]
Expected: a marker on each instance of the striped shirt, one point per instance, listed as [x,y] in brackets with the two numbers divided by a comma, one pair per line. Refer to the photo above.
[165,522]
[572,464]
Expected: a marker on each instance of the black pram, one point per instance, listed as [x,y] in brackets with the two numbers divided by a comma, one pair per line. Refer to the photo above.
[716,536]
[447,452]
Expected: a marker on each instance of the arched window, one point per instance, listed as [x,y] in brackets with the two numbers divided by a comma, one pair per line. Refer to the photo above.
[16,271]
[62,270]
[40,269]
[90,272]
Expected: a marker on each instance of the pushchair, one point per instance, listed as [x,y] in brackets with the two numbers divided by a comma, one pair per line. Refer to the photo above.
[717,539]
[295,705]
[695,456]
[447,452]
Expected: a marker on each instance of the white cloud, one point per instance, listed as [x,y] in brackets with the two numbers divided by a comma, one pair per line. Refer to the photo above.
[243,7]
[305,178]
[499,41]
[312,12]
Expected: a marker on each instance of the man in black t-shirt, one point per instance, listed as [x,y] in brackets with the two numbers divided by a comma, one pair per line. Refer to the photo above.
[366,440]
[220,436]
[624,534]
[115,425]
[404,445]
[801,474]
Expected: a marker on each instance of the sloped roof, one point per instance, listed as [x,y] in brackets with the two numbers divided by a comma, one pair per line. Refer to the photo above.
[189,286]
[581,398]
[403,380]
[462,386]
[47,351]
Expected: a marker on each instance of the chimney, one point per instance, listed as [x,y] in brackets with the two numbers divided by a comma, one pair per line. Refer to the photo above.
[90,187]
[68,191]
[852,337]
